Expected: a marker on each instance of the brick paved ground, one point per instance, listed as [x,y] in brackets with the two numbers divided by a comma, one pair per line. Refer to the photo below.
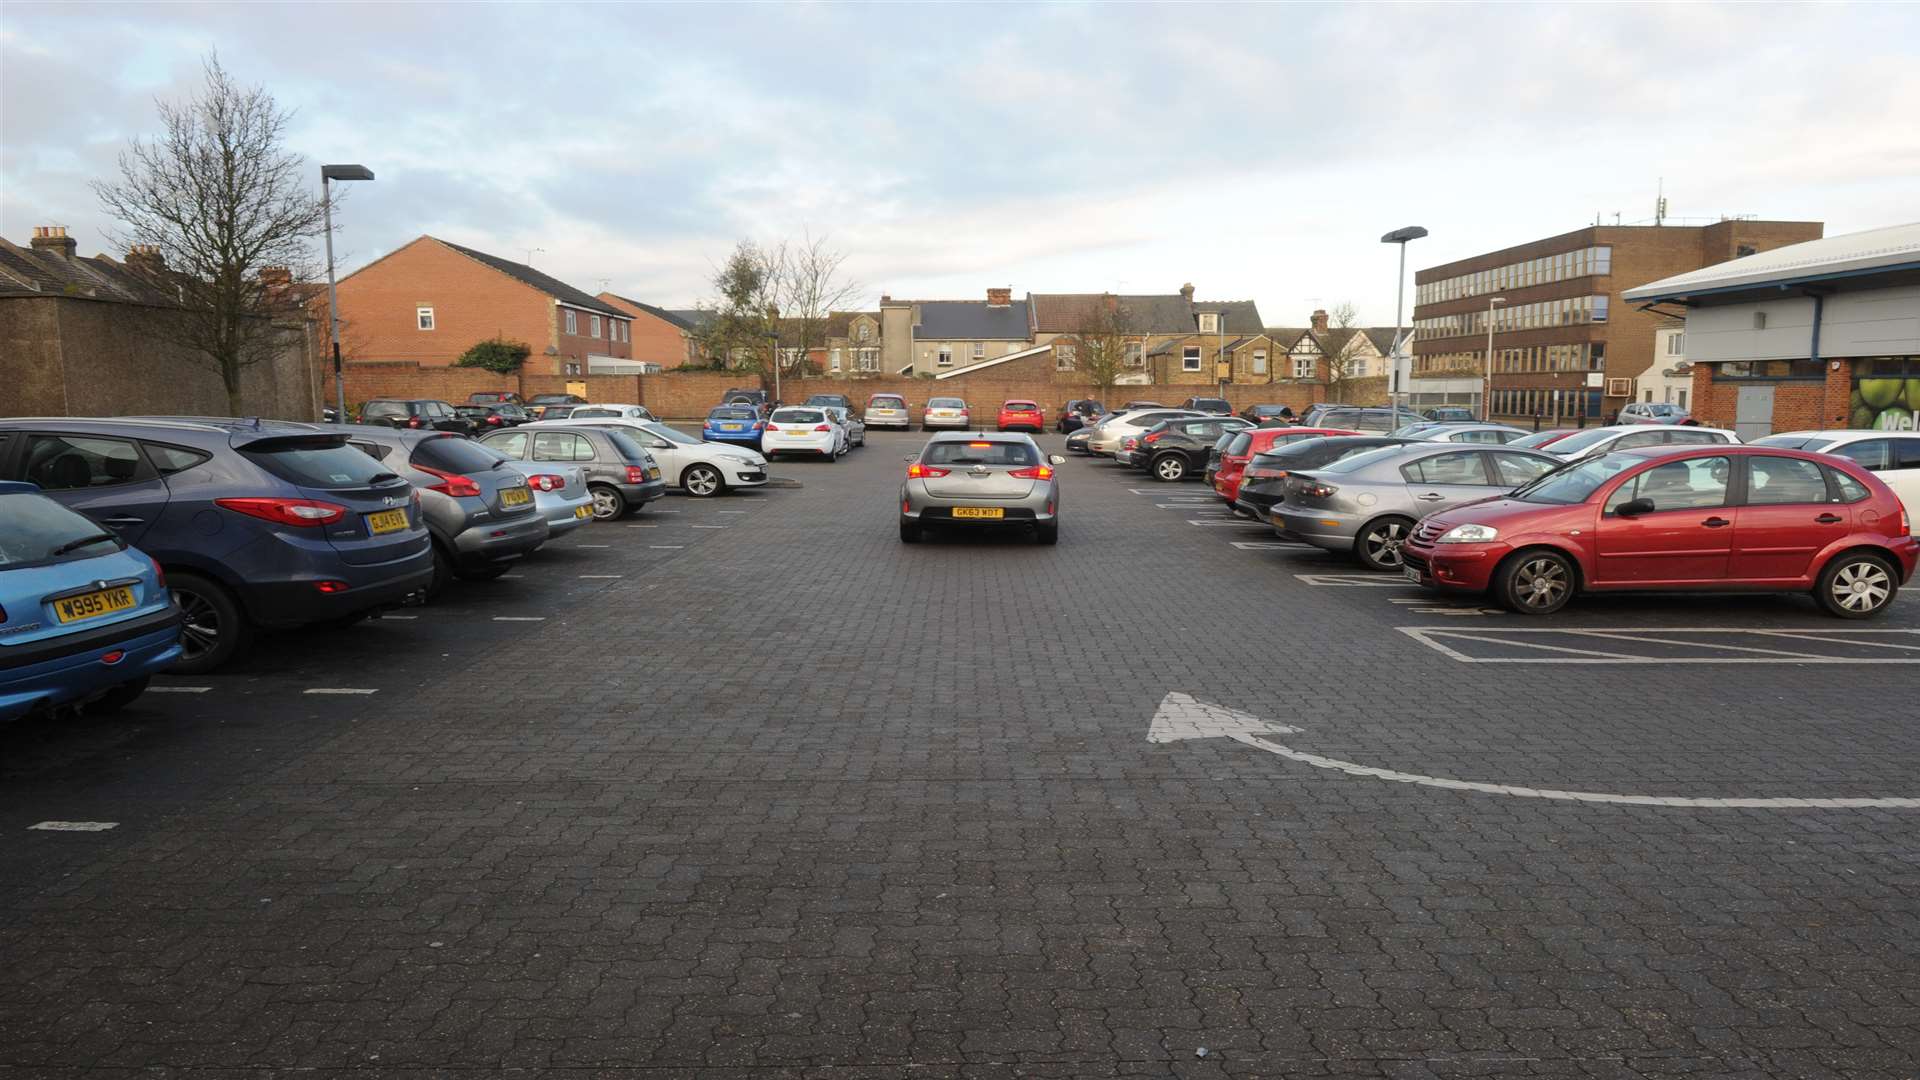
[791,799]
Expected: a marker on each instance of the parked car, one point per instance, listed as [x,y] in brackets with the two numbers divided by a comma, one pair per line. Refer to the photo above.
[838,401]
[1114,427]
[479,510]
[559,489]
[622,475]
[888,411]
[1142,405]
[945,412]
[609,411]
[418,414]
[1703,518]
[1223,476]
[1539,440]
[747,396]
[700,469]
[486,418]
[1076,413]
[797,429]
[1215,405]
[1077,442]
[1457,414]
[1378,420]
[1262,484]
[1173,450]
[1486,434]
[543,406]
[1267,414]
[1367,504]
[1021,415]
[256,523]
[852,426]
[556,411]
[741,425]
[495,397]
[976,479]
[1604,440]
[1893,456]
[84,619]
[1653,412]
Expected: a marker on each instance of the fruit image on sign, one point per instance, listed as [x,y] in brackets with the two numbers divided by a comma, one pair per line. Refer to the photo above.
[1886,400]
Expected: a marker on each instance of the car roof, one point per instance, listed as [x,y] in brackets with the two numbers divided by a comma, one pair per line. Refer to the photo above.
[227,430]
[980,436]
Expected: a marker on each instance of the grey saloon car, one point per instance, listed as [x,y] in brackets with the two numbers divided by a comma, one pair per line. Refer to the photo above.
[981,480]
[1367,504]
[622,476]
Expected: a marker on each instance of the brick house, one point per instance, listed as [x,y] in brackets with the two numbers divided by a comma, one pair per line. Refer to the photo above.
[660,336]
[931,337]
[431,300]
[1171,337]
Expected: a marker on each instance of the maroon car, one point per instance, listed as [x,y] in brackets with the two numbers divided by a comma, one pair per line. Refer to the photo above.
[1678,518]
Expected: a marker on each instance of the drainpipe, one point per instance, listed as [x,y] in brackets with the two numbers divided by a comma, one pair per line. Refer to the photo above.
[1819,305]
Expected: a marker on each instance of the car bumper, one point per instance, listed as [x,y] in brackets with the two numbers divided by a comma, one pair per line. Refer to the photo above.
[898,423]
[77,676]
[498,542]
[1042,505]
[1332,532]
[743,475]
[1033,427]
[641,494]
[1908,552]
[1468,567]
[824,445]
[299,603]
[564,514]
[736,438]
[945,423]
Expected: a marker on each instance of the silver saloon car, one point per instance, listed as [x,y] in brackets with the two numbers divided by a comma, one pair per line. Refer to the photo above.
[975,479]
[1367,504]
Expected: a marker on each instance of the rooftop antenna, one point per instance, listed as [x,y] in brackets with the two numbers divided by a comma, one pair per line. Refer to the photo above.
[531,252]
[1660,203]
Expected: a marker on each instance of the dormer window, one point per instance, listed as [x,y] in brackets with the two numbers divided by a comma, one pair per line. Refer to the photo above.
[1209,322]
[865,329]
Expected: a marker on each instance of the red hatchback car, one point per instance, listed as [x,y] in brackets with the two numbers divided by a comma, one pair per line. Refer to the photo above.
[1022,416]
[1253,442]
[1684,519]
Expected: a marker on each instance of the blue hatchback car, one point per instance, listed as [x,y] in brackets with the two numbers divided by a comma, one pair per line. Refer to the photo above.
[84,619]
[741,425]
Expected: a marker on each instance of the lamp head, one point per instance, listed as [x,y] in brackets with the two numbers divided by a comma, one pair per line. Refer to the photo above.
[1401,236]
[345,172]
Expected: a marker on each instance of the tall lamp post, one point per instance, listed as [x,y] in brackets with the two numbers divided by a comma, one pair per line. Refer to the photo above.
[1486,389]
[1401,237]
[773,339]
[328,174]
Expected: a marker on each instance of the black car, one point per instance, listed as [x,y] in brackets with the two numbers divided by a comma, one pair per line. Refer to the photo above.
[417,414]
[1218,406]
[744,396]
[1358,418]
[1077,413]
[494,417]
[495,397]
[544,406]
[1176,449]
[1264,483]
[1267,415]
[1452,414]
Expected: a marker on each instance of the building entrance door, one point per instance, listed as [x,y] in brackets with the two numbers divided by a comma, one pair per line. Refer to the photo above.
[1753,413]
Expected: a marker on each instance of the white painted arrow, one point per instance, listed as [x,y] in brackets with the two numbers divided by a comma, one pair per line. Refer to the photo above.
[1183,717]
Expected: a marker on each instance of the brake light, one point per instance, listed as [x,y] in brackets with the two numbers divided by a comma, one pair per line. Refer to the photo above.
[547,482]
[413,421]
[917,471]
[1154,437]
[1266,474]
[1129,443]
[159,581]
[636,474]
[822,427]
[330,587]
[451,483]
[493,420]
[302,513]
[1906,524]
[113,656]
[771,426]
[1315,490]
[1038,472]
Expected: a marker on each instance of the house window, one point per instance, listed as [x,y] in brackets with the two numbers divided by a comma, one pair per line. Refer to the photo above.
[1676,344]
[593,322]
[1064,355]
[1259,361]
[865,329]
[573,322]
[833,361]
[1190,358]
[869,358]
[425,317]
[626,331]
[979,350]
[573,368]
[1135,358]
[1209,322]
[946,356]
[1303,367]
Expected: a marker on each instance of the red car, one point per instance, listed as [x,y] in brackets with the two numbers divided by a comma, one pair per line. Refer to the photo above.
[1225,477]
[1022,416]
[1692,518]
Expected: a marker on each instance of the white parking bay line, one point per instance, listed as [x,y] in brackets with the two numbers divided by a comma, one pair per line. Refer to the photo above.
[75,826]
[732,511]
[401,618]
[592,545]
[1357,581]
[516,618]
[1262,545]
[663,511]
[643,526]
[178,689]
[599,577]
[665,547]
[1230,523]
[1436,638]
[709,526]
[339,690]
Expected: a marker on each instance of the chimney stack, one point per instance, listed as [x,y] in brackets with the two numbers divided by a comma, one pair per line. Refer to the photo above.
[1186,292]
[54,238]
[278,277]
[1320,318]
[1000,297]
[146,258]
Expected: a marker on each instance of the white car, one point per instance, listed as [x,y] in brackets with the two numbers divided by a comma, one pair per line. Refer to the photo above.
[1593,442]
[698,468]
[1893,456]
[1495,434]
[803,429]
[609,411]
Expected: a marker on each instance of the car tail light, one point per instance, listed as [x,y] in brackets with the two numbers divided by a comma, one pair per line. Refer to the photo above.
[303,513]
[1154,438]
[1266,474]
[822,427]
[771,426]
[493,420]
[1129,443]
[759,425]
[159,579]
[636,474]
[917,471]
[330,587]
[1314,489]
[547,482]
[413,422]
[1906,523]
[451,483]
[1038,472]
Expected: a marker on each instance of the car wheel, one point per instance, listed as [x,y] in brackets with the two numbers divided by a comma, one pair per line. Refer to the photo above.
[1170,468]
[442,572]
[117,698]
[1048,534]
[608,503]
[1534,583]
[1856,586]
[1379,544]
[909,533]
[702,481]
[213,630]
[489,572]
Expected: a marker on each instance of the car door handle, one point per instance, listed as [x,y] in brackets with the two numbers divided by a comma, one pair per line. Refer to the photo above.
[1430,497]
[124,520]
[1716,522]
[1829,519]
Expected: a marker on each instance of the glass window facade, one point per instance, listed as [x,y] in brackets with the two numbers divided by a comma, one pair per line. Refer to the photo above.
[1566,311]
[1585,262]
[1576,356]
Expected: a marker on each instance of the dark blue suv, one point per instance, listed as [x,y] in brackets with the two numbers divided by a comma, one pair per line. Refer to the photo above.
[257,523]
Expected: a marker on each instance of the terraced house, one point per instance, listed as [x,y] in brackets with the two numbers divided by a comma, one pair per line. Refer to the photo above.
[936,337]
[1170,337]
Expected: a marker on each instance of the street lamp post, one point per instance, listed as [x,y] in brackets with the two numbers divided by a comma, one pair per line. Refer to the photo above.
[1401,237]
[1486,389]
[328,174]
[773,338]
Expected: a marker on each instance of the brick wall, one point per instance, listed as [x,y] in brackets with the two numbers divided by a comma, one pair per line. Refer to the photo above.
[655,340]
[471,302]
[1797,406]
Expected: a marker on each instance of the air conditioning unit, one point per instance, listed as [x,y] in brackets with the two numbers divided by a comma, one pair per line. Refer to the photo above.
[1619,387]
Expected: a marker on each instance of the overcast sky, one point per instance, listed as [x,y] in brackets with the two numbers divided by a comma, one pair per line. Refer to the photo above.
[1256,151]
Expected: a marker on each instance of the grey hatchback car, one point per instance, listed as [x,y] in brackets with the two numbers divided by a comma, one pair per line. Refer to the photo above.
[1368,503]
[621,475]
[975,479]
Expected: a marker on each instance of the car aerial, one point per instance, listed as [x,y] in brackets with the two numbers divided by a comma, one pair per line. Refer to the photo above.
[486,418]
[1223,475]
[1076,413]
[1456,414]
[797,429]
[700,469]
[600,410]
[622,475]
[419,414]
[1019,414]
[1354,418]
[1174,450]
[1893,456]
[1653,412]
[945,412]
[888,411]
[838,401]
[1215,405]
[741,425]
[256,523]
[1367,504]
[1489,434]
[1536,440]
[494,397]
[84,619]
[1114,427]
[1262,484]
[1265,414]
[1077,442]
[1602,440]
[1684,518]
[854,427]
[976,479]
[479,509]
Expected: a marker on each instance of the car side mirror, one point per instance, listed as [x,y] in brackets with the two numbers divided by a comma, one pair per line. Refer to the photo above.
[1634,507]
[1057,459]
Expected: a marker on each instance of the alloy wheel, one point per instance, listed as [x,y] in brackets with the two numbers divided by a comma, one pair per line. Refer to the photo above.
[200,625]
[1862,586]
[1540,583]
[702,480]
[605,504]
[1383,543]
[1169,469]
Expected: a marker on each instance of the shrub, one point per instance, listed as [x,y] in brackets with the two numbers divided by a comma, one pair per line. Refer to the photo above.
[497,355]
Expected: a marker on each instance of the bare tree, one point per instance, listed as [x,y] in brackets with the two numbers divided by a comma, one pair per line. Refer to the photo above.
[1103,339]
[222,199]
[808,287]
[1336,347]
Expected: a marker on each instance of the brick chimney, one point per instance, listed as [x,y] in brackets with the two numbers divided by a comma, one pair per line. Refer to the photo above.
[1186,292]
[885,299]
[1320,318]
[1000,297]
[146,258]
[54,238]
[276,277]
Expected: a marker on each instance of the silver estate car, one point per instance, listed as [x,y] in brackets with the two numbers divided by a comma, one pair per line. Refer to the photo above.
[975,479]
[1368,503]
[888,411]
[1116,426]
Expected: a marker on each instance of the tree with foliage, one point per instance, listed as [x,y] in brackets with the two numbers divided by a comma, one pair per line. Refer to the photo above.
[1102,341]
[221,198]
[498,355]
[741,320]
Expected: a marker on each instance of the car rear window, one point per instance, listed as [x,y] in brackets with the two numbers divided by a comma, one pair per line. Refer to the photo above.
[35,527]
[887,402]
[1240,443]
[946,403]
[1022,406]
[731,414]
[630,450]
[317,462]
[798,416]
[981,453]
[454,454]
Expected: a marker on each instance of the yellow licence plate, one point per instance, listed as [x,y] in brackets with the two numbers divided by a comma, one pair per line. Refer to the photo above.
[88,605]
[386,521]
[515,496]
[582,511]
[978,512]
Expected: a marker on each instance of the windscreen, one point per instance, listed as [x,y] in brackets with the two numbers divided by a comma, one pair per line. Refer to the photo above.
[1795,442]
[981,453]
[38,529]
[1574,485]
[1239,443]
[320,462]
[630,450]
[1361,461]
[1573,444]
[672,435]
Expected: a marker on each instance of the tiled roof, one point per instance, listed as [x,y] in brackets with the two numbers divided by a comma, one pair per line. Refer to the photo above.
[546,283]
[1144,314]
[971,319]
[27,271]
[657,312]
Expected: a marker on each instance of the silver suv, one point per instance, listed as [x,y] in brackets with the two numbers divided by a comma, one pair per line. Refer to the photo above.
[973,480]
